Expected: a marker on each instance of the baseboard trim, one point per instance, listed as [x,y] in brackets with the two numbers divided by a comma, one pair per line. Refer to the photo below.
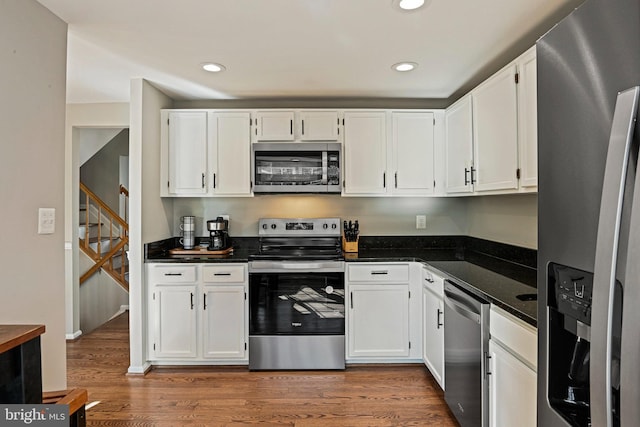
[139,370]
[123,309]
[74,336]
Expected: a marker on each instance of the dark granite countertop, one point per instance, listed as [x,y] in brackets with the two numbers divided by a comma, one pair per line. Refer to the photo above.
[496,280]
[483,268]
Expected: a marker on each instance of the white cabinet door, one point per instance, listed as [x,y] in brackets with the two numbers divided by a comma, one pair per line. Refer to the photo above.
[413,153]
[512,388]
[274,126]
[378,322]
[230,153]
[528,119]
[224,322]
[187,152]
[174,319]
[365,153]
[433,330]
[319,125]
[495,132]
[459,146]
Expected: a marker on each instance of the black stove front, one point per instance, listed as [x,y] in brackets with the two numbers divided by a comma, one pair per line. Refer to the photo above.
[296,296]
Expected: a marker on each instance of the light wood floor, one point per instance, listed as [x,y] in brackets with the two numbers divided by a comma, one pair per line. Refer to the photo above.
[359,396]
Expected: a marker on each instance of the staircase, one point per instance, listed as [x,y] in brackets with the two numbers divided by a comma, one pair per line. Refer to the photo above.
[104,237]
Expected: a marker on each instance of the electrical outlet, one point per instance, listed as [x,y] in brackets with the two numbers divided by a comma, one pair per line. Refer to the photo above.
[421,222]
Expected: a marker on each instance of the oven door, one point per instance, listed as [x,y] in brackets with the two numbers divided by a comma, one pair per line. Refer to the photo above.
[296,303]
[296,168]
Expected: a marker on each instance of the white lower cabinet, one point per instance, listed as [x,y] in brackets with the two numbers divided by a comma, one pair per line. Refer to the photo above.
[174,321]
[383,319]
[513,377]
[433,324]
[224,322]
[197,313]
[379,325]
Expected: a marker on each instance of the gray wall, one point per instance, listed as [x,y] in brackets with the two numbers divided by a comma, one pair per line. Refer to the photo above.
[511,219]
[377,215]
[33,44]
[101,172]
[508,219]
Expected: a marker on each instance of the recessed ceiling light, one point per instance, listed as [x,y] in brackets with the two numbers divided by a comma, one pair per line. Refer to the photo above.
[410,5]
[404,66]
[213,67]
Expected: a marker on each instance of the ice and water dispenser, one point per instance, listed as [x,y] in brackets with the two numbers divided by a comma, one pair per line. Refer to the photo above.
[569,299]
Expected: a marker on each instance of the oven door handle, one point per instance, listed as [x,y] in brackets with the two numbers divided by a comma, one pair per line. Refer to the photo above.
[284,266]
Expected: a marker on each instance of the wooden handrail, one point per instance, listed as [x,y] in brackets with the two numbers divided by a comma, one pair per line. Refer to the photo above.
[103,206]
[95,267]
[116,229]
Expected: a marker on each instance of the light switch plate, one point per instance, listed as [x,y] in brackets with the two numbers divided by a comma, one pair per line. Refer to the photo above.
[46,220]
[421,222]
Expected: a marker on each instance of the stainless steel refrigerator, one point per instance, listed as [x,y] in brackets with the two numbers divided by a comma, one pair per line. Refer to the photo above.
[589,218]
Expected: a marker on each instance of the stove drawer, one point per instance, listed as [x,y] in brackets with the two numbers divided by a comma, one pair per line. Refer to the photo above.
[224,273]
[379,273]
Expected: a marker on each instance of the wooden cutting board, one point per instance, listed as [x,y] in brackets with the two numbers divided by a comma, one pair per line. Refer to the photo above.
[200,251]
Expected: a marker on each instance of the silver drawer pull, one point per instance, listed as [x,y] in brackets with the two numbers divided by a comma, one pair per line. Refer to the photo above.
[379,272]
[173,274]
[222,274]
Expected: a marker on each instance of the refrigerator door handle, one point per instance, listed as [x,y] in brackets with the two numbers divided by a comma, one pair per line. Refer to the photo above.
[606,255]
[630,346]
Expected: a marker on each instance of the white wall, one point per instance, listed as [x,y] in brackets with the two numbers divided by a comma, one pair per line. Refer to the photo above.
[511,219]
[79,117]
[101,297]
[150,216]
[33,45]
[378,216]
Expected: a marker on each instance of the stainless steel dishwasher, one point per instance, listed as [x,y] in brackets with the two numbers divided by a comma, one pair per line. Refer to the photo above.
[466,348]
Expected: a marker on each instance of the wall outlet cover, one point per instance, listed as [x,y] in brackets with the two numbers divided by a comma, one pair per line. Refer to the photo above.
[421,222]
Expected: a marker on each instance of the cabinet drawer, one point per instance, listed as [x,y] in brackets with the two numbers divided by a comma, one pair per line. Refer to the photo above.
[223,274]
[379,273]
[516,335]
[172,273]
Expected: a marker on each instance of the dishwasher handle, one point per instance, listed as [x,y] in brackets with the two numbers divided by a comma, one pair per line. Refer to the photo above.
[463,305]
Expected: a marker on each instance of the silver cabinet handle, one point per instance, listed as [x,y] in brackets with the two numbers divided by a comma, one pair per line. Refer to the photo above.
[203,180]
[191,300]
[222,274]
[438,323]
[604,274]
[173,274]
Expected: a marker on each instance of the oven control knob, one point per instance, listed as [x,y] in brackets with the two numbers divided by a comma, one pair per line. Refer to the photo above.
[325,226]
[334,226]
[273,226]
[264,226]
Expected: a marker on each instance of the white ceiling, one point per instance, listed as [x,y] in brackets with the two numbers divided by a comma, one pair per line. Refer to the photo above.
[292,48]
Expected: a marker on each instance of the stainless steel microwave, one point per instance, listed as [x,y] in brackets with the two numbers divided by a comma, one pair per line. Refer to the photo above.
[291,167]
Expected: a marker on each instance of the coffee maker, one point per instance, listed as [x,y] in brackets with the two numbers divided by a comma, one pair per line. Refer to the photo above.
[218,234]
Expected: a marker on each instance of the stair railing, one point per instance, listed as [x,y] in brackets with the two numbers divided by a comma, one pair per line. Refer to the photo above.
[117,234]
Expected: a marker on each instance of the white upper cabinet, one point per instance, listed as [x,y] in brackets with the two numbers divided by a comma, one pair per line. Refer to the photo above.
[528,120]
[495,132]
[274,126]
[186,152]
[319,125]
[459,146]
[491,133]
[205,153]
[230,153]
[365,153]
[412,153]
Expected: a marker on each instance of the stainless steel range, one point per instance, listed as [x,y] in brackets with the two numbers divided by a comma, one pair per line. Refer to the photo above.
[296,296]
